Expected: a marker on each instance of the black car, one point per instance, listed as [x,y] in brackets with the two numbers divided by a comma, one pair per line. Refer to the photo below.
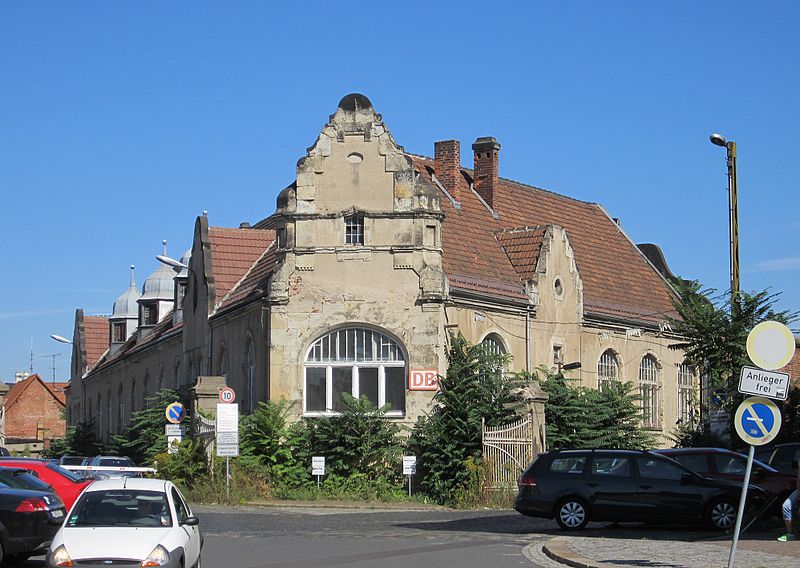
[578,486]
[28,522]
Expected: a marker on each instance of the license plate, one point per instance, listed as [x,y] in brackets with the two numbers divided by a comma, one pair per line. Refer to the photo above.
[58,513]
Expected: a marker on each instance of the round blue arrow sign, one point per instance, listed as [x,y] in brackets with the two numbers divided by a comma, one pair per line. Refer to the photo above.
[176,413]
[757,420]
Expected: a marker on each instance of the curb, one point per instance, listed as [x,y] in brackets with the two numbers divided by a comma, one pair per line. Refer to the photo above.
[556,548]
[377,506]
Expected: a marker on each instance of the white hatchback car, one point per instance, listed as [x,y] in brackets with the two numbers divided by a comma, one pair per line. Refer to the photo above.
[128,523]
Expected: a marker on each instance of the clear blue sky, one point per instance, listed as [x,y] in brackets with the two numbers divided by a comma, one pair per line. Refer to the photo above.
[120,122]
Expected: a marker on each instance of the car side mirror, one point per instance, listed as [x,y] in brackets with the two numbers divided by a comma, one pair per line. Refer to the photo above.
[191,521]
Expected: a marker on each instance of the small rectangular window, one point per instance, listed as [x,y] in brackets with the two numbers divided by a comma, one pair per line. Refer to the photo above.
[557,355]
[119,332]
[342,383]
[354,230]
[315,389]
[568,465]
[149,314]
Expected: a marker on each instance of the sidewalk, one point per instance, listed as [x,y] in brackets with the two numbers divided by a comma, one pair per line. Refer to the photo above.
[671,549]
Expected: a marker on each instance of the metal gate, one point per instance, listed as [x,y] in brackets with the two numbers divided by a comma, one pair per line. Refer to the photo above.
[507,450]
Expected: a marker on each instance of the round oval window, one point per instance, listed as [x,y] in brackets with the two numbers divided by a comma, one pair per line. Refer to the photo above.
[558,287]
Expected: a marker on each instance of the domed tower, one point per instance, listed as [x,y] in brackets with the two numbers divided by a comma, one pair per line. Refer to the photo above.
[181,280]
[158,294]
[125,315]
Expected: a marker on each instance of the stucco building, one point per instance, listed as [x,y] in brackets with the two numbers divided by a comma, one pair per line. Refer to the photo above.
[372,257]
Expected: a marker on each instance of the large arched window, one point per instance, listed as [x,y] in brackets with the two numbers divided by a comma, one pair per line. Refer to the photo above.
[494,345]
[648,391]
[358,361]
[687,394]
[222,364]
[607,369]
[249,373]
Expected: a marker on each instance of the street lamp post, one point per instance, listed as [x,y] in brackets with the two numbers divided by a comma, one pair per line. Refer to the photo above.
[733,210]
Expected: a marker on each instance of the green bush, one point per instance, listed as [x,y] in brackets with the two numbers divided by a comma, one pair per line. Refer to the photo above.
[187,466]
[447,442]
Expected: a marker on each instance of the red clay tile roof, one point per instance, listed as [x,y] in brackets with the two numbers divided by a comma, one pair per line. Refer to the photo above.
[618,281]
[233,253]
[18,389]
[523,246]
[96,334]
[255,279]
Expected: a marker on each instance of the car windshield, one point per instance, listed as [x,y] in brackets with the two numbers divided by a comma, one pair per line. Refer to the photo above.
[115,462]
[121,508]
[71,460]
[65,473]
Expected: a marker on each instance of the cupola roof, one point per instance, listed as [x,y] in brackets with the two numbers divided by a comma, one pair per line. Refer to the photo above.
[126,305]
[160,285]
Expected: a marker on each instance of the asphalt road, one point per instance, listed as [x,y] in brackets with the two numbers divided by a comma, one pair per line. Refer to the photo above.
[278,537]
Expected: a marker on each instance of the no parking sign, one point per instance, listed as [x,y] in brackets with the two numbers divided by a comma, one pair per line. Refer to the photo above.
[757,420]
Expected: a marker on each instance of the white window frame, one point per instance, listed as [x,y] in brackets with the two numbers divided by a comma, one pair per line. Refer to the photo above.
[648,391]
[607,369]
[687,393]
[329,352]
[354,229]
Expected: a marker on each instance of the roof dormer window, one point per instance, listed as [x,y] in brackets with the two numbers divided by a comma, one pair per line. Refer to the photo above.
[354,230]
[149,314]
[118,334]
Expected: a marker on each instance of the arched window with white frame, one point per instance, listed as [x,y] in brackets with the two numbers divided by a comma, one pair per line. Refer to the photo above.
[359,361]
[648,391]
[687,394]
[607,369]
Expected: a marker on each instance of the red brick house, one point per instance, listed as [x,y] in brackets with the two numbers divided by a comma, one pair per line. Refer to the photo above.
[34,413]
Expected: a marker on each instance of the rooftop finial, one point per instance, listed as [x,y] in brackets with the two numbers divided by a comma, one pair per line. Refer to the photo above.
[205,213]
[164,247]
[133,282]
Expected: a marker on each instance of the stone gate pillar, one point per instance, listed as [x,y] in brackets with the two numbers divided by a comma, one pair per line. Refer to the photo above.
[534,398]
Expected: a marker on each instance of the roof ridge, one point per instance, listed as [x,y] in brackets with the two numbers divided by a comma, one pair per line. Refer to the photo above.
[229,293]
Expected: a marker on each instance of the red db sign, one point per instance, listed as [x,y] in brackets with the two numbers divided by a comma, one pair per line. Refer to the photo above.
[423,380]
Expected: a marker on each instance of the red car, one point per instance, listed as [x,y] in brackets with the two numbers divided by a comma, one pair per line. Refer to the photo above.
[719,463]
[65,483]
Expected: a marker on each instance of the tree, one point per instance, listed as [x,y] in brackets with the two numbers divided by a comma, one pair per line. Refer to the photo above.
[580,417]
[714,335]
[144,437]
[80,440]
[474,391]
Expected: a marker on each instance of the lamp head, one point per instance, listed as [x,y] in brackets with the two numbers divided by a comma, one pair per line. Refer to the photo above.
[718,140]
[170,261]
[60,339]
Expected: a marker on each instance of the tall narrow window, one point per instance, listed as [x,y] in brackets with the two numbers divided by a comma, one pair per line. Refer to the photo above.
[149,314]
[360,362]
[118,331]
[607,369]
[354,230]
[687,394]
[249,373]
[121,410]
[648,391]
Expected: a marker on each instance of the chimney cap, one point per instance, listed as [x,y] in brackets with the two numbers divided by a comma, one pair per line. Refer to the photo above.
[485,143]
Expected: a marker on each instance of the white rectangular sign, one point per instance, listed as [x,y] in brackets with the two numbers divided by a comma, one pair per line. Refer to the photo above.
[318,465]
[227,450]
[174,429]
[409,465]
[172,444]
[769,384]
[228,438]
[227,418]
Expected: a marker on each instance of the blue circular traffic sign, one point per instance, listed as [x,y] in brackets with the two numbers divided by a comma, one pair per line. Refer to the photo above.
[175,413]
[757,420]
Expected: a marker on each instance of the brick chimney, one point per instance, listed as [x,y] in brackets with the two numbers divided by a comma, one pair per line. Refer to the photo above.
[447,154]
[487,151]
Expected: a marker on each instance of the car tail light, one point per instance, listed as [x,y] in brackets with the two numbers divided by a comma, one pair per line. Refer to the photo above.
[32,505]
[527,481]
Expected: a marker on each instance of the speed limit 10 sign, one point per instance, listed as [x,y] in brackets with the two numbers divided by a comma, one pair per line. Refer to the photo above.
[227,395]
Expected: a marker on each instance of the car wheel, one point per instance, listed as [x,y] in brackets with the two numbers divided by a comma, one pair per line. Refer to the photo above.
[198,563]
[721,514]
[572,513]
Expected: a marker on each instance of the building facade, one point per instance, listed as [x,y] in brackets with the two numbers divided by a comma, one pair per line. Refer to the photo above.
[371,259]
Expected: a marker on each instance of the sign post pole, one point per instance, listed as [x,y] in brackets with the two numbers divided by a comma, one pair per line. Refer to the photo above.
[742,499]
